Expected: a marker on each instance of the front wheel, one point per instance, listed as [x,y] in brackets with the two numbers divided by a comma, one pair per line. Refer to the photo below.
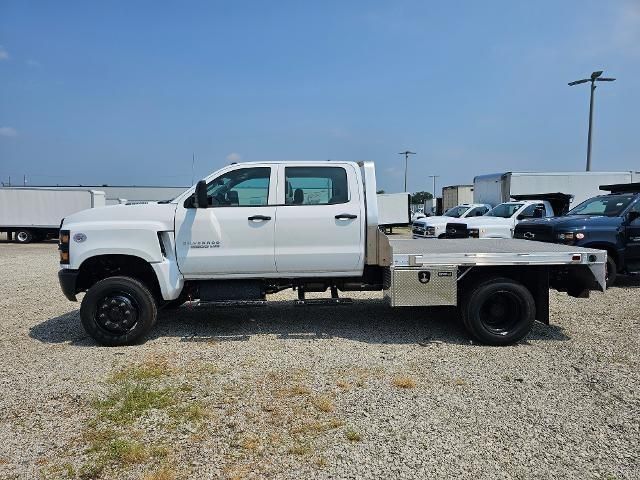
[118,311]
[499,311]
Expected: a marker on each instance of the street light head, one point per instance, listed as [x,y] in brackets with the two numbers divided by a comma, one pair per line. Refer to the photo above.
[595,75]
[578,82]
[606,80]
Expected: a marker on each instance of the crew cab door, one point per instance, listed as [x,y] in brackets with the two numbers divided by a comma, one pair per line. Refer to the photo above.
[235,235]
[632,234]
[320,220]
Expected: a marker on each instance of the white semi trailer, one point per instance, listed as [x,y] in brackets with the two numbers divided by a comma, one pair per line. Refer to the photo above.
[498,188]
[455,195]
[394,210]
[35,213]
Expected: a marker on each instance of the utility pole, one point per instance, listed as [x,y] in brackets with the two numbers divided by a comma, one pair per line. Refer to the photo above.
[435,197]
[406,154]
[24,180]
[193,162]
[595,77]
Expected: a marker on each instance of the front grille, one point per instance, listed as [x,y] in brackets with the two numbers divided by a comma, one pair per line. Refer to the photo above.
[539,233]
[457,230]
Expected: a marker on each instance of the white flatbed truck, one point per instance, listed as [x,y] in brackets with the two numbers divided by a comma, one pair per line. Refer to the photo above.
[252,229]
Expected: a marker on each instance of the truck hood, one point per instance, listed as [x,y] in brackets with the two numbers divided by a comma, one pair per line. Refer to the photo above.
[484,221]
[159,216]
[575,221]
[436,221]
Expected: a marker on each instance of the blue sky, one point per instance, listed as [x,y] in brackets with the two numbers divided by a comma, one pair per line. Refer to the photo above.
[124,92]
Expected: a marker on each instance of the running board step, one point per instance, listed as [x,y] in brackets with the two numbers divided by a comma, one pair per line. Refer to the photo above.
[325,301]
[231,303]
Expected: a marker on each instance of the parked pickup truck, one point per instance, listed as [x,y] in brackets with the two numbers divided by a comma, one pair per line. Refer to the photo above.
[435,227]
[501,220]
[607,222]
[252,229]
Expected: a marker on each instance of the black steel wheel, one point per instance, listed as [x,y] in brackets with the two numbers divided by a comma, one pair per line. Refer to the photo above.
[118,311]
[500,311]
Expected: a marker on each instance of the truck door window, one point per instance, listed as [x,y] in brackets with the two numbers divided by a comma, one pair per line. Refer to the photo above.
[478,212]
[533,211]
[608,205]
[245,187]
[316,185]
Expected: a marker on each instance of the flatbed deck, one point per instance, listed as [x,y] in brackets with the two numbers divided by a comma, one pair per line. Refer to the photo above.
[476,252]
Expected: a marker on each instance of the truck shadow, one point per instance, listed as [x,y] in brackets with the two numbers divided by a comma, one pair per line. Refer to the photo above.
[627,281]
[367,321]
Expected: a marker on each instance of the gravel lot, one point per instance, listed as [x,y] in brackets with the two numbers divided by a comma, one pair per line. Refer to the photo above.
[360,391]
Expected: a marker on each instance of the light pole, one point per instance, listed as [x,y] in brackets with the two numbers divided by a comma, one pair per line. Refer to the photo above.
[435,197]
[595,77]
[406,154]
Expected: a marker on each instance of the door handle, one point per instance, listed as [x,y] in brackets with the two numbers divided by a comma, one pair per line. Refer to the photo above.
[259,217]
[345,216]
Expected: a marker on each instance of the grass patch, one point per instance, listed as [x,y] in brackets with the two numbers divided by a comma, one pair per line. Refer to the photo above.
[343,385]
[300,449]
[324,404]
[126,452]
[162,473]
[404,382]
[129,402]
[149,369]
[352,435]
[193,412]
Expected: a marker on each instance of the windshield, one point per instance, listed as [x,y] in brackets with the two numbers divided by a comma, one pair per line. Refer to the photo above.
[608,206]
[504,210]
[456,212]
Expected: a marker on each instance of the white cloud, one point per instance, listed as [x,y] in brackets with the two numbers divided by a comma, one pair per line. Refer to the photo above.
[234,157]
[4,55]
[8,132]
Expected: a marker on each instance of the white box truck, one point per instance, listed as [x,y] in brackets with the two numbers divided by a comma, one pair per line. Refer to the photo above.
[219,245]
[394,210]
[498,188]
[455,195]
[35,213]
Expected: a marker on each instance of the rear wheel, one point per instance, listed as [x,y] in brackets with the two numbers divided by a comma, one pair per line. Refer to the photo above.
[24,236]
[611,272]
[118,311]
[499,311]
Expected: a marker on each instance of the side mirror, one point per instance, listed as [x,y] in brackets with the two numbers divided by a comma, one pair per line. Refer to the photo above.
[520,217]
[633,216]
[201,200]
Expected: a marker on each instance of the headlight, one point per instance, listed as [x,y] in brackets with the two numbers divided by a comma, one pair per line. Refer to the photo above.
[431,231]
[474,233]
[63,246]
[570,236]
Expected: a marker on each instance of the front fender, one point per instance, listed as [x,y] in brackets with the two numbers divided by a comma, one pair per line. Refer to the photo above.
[139,239]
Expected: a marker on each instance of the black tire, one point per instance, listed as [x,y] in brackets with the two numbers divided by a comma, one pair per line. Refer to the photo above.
[23,236]
[118,311]
[612,271]
[500,311]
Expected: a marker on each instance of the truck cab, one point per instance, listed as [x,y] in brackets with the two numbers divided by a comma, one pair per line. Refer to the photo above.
[501,220]
[608,222]
[435,227]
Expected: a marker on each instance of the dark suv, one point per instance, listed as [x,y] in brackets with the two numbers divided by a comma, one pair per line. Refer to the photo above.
[606,222]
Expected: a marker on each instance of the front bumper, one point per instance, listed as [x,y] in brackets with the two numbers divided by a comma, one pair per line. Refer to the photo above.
[68,279]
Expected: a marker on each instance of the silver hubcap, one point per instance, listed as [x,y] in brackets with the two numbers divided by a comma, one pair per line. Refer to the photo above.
[22,236]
